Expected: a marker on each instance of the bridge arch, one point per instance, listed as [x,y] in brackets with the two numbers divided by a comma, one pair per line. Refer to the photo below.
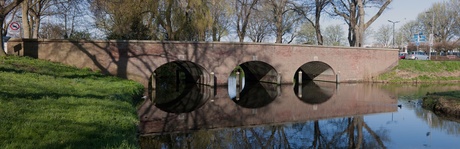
[180,86]
[315,71]
[253,84]
[313,82]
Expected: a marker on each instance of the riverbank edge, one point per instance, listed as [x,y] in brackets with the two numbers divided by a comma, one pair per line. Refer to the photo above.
[415,82]
[428,72]
[442,105]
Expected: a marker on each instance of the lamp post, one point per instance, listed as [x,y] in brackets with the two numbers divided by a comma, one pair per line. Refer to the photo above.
[394,22]
[432,33]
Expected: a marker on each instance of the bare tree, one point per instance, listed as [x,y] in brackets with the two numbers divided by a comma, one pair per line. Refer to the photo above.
[333,35]
[284,18]
[220,12]
[439,20]
[72,14]
[5,8]
[352,11]
[32,13]
[25,19]
[312,10]
[51,31]
[259,27]
[454,5]
[243,12]
[67,13]
[383,35]
[306,34]
[407,31]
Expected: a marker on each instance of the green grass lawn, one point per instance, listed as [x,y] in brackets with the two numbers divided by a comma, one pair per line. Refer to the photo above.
[423,71]
[50,105]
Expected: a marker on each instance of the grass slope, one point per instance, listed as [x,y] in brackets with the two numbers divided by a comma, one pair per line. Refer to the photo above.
[50,105]
[423,71]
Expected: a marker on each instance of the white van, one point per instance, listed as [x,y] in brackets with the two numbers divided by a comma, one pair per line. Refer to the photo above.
[417,55]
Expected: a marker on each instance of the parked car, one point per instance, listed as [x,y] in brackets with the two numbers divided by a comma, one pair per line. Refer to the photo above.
[402,55]
[417,55]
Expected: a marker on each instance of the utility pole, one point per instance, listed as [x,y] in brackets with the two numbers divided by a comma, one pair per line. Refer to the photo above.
[432,33]
[394,22]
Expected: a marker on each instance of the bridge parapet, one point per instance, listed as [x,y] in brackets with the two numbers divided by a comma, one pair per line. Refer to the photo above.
[137,60]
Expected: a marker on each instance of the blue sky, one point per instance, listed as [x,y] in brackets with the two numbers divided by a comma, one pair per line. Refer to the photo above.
[403,11]
[399,10]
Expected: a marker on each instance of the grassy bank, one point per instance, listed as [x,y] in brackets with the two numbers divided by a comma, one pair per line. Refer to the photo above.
[50,105]
[423,71]
[411,71]
[445,104]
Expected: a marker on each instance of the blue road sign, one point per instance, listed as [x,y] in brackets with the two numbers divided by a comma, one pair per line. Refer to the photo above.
[417,38]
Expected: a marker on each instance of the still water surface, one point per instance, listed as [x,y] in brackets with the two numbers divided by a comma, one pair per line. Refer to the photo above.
[317,115]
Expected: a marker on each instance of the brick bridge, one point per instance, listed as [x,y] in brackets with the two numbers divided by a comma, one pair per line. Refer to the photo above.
[212,62]
[209,64]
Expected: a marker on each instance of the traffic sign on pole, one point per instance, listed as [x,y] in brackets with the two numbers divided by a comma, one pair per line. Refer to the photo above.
[15,26]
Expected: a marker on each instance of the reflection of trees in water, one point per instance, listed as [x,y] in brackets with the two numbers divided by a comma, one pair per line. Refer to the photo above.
[448,125]
[352,132]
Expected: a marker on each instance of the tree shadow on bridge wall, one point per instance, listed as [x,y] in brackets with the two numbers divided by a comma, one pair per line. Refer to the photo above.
[111,57]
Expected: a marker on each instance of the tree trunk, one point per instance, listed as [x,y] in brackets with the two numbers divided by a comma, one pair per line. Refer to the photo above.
[351,133]
[2,52]
[361,25]
[354,16]
[214,30]
[375,136]
[37,27]
[279,30]
[359,125]
[25,19]
[319,8]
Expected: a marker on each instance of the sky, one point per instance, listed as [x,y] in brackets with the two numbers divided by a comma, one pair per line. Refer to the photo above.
[399,10]
[403,11]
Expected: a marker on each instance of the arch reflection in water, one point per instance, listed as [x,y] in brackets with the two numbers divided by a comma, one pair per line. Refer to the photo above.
[188,99]
[255,95]
[314,92]
[178,87]
[253,84]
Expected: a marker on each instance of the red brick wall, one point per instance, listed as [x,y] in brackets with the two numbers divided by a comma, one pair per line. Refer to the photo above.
[137,60]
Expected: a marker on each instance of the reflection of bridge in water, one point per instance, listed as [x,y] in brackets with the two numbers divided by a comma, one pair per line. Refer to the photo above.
[220,111]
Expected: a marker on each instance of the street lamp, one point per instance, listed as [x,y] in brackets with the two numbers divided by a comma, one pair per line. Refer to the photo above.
[432,34]
[394,22]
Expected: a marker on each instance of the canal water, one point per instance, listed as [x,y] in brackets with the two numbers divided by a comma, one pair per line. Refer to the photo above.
[311,115]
